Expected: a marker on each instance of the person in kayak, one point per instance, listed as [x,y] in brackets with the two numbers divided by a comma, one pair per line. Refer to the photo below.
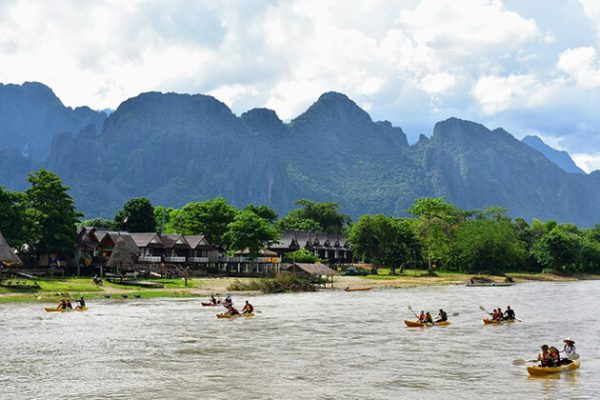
[62,305]
[428,318]
[232,311]
[81,302]
[248,308]
[69,305]
[422,317]
[509,314]
[442,316]
[213,299]
[569,347]
[500,314]
[544,357]
[494,314]
[554,356]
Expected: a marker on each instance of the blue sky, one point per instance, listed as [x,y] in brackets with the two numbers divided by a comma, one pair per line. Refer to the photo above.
[532,67]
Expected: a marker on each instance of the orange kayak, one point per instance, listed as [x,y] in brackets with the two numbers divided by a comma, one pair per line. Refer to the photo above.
[417,324]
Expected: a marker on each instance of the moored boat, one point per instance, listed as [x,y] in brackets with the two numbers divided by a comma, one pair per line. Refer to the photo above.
[358,289]
[210,304]
[543,371]
[417,324]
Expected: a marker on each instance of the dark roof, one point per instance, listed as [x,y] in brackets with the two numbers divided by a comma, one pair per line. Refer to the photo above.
[196,241]
[7,254]
[144,239]
[310,239]
[312,269]
[172,240]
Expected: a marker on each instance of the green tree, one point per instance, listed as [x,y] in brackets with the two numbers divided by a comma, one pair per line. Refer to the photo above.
[137,215]
[56,215]
[210,218]
[250,231]
[383,241]
[559,249]
[265,212]
[165,218]
[326,215]
[295,223]
[435,224]
[301,256]
[98,222]
[487,246]
[18,223]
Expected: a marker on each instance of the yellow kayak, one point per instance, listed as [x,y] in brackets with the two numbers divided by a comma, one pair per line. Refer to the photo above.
[358,289]
[542,371]
[227,316]
[497,322]
[417,324]
[54,309]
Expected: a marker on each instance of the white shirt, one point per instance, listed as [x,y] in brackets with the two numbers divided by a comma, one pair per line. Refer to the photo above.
[569,349]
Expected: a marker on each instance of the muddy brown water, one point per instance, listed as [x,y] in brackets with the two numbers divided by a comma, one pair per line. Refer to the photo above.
[325,345]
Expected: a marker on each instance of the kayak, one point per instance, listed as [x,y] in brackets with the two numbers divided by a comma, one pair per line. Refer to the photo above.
[54,309]
[542,371]
[497,322]
[209,304]
[417,324]
[227,316]
[358,289]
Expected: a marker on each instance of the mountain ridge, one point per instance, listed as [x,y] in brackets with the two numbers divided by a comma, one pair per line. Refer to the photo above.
[177,148]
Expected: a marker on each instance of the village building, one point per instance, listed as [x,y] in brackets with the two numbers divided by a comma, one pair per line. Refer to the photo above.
[331,248]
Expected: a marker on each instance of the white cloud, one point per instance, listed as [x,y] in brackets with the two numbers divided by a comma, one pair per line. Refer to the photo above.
[587,161]
[581,64]
[411,61]
[498,93]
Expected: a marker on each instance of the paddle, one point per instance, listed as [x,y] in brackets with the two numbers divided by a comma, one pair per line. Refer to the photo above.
[484,310]
[520,361]
[412,311]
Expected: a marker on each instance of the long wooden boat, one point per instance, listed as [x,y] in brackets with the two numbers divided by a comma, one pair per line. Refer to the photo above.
[482,284]
[358,289]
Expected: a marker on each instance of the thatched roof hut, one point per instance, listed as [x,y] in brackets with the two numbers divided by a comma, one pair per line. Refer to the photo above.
[309,269]
[7,254]
[122,254]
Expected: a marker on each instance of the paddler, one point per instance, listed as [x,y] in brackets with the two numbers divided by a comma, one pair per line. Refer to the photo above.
[422,317]
[544,357]
[213,299]
[69,305]
[509,314]
[81,302]
[569,348]
[554,355]
[442,316]
[248,308]
[232,311]
[428,318]
[62,305]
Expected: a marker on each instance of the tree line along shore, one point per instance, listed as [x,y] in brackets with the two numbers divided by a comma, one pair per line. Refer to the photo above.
[435,238]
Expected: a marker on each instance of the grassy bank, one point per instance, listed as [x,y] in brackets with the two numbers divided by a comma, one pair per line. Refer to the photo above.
[51,290]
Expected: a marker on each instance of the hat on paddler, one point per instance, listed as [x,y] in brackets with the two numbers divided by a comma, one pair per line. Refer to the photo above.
[569,340]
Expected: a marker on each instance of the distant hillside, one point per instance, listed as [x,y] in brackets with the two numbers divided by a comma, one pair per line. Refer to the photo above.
[31,116]
[177,148]
[559,157]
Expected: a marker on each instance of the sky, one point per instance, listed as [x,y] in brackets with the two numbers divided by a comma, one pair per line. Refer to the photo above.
[531,67]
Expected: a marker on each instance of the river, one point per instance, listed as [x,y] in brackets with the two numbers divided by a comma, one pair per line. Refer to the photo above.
[325,345]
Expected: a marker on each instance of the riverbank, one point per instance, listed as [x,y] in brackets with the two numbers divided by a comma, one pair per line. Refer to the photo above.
[53,289]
